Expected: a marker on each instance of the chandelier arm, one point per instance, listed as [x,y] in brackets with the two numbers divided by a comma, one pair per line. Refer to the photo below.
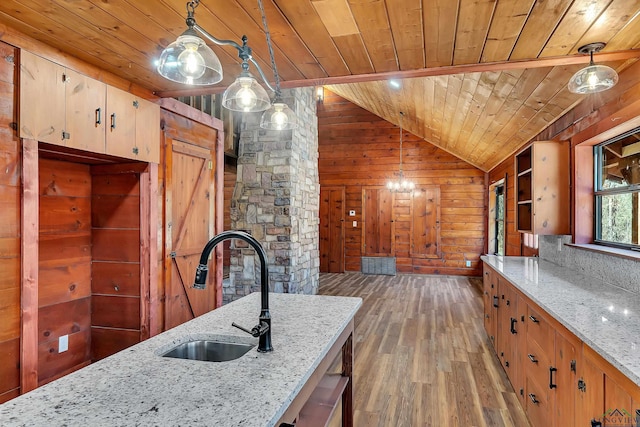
[264,78]
[217,41]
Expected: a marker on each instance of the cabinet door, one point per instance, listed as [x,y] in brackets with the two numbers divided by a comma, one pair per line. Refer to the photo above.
[85,106]
[42,105]
[507,329]
[590,392]
[491,306]
[147,132]
[121,123]
[564,381]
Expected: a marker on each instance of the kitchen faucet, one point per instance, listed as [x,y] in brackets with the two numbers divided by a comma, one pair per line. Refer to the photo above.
[263,328]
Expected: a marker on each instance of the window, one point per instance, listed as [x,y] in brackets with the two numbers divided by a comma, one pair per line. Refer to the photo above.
[617,170]
[496,218]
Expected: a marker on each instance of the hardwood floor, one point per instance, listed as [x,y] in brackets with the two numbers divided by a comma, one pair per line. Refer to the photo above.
[422,357]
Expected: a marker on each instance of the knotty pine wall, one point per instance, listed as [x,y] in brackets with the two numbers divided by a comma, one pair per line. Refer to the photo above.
[10,183]
[357,148]
[115,288]
[64,286]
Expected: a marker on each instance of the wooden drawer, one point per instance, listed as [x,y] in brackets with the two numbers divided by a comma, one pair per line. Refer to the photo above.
[539,412]
[539,330]
[536,363]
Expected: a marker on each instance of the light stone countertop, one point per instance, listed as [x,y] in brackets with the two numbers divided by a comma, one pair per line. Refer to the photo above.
[138,387]
[606,318]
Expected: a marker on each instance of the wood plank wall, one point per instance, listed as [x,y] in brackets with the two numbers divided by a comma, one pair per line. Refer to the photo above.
[596,119]
[358,149]
[10,172]
[64,286]
[115,288]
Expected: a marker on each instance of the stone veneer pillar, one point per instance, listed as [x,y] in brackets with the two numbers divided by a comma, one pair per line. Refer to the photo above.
[276,199]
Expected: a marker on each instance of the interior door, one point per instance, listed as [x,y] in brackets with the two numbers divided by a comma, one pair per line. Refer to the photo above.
[425,222]
[377,230]
[332,229]
[189,226]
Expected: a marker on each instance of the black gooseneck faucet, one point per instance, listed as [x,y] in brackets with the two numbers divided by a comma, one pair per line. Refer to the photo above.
[263,328]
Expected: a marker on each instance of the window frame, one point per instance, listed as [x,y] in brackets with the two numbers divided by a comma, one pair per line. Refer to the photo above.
[599,193]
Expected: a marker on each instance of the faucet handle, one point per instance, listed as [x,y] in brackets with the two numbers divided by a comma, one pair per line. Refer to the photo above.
[256,331]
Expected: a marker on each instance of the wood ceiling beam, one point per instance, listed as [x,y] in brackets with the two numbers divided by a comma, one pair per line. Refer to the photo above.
[430,72]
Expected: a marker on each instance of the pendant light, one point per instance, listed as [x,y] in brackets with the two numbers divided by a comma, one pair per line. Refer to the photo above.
[189,60]
[593,78]
[401,185]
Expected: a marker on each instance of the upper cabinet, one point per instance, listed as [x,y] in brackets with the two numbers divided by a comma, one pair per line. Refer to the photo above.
[62,107]
[542,188]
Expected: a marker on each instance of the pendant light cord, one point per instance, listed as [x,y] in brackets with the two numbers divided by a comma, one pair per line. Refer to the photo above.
[271,55]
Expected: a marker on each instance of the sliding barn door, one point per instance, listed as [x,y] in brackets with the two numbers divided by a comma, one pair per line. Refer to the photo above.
[378,227]
[189,225]
[425,223]
[331,229]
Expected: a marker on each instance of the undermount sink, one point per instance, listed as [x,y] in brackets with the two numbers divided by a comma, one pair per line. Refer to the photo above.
[208,351]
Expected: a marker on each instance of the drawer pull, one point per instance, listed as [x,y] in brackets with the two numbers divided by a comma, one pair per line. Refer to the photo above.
[551,371]
[533,398]
[532,358]
[113,120]
[513,326]
[533,319]
[98,116]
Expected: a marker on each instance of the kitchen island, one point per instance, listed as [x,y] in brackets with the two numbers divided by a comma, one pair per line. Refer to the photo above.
[138,386]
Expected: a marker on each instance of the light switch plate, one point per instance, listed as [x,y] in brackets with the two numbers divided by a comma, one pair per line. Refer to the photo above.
[355,223]
[63,343]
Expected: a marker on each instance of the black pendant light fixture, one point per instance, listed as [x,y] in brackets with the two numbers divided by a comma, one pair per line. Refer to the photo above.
[593,78]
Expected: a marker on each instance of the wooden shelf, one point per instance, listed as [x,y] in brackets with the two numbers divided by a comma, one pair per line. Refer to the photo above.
[524,202]
[324,400]
[524,172]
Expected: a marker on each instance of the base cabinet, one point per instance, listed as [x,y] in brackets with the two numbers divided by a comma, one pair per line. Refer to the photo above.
[561,381]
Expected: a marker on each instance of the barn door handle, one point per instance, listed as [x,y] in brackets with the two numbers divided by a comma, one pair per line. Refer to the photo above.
[98,116]
[551,371]
[513,326]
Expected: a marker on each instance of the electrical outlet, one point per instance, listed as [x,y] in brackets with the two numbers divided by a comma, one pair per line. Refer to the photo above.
[63,343]
[468,263]
[352,213]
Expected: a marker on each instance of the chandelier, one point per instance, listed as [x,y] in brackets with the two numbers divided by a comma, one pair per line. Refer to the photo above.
[401,185]
[189,60]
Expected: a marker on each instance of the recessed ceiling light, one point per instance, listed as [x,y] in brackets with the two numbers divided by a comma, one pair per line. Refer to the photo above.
[395,84]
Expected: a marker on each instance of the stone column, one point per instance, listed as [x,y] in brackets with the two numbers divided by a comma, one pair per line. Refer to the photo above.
[276,199]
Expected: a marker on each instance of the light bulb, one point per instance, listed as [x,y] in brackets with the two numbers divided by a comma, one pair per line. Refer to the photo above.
[279,118]
[246,96]
[390,185]
[592,79]
[190,63]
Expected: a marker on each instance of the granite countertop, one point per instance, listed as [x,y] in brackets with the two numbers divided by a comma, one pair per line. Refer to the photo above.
[138,387]
[606,318]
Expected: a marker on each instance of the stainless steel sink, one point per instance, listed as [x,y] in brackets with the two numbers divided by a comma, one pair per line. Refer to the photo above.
[208,350]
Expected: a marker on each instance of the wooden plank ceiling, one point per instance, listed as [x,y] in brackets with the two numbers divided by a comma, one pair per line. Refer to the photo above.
[478,77]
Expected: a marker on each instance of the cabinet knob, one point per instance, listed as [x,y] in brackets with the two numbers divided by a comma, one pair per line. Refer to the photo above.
[135,150]
[582,386]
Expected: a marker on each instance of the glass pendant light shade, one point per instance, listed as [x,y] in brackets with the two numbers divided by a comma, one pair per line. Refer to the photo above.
[592,79]
[189,60]
[278,117]
[246,95]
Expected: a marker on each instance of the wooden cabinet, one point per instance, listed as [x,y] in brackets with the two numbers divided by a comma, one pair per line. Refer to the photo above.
[133,126]
[542,188]
[63,107]
[561,381]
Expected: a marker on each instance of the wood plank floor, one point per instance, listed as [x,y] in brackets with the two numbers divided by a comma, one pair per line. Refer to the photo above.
[422,357]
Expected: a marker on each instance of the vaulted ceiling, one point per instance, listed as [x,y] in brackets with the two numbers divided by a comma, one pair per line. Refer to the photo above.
[478,78]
